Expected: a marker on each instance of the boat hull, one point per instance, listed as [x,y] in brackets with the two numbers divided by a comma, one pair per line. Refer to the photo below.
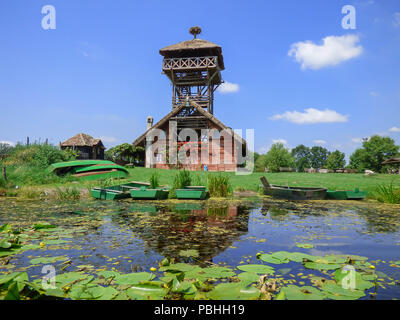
[117,192]
[346,195]
[283,192]
[149,194]
[194,193]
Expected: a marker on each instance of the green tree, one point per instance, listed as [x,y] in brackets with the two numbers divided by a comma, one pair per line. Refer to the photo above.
[278,156]
[125,152]
[373,152]
[302,156]
[261,163]
[5,149]
[336,160]
[319,156]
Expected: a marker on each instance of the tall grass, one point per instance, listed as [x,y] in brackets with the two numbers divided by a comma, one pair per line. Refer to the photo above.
[154,180]
[67,193]
[387,193]
[219,186]
[181,180]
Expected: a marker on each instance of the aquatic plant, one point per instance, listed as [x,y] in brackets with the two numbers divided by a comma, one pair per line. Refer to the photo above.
[219,186]
[154,180]
[182,179]
[387,193]
[68,193]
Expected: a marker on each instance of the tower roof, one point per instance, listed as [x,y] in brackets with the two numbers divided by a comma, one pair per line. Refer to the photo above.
[193,48]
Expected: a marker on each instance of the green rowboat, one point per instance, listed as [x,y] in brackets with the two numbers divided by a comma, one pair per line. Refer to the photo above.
[292,193]
[346,194]
[145,193]
[192,192]
[295,193]
[117,192]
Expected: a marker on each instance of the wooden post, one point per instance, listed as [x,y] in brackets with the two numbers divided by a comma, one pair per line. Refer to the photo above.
[4,173]
[27,141]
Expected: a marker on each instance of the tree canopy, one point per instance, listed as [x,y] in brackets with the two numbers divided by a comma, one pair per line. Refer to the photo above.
[336,160]
[373,152]
[278,156]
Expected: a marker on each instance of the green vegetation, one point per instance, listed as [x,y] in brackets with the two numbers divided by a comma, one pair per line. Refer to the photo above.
[174,280]
[68,193]
[26,164]
[388,194]
[278,156]
[219,185]
[302,156]
[336,160]
[373,152]
[333,181]
[154,181]
[124,152]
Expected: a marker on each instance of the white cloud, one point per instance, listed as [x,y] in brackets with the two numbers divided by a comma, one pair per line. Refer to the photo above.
[311,115]
[108,139]
[394,129]
[8,142]
[333,50]
[373,93]
[357,140]
[283,141]
[228,87]
[396,21]
[319,141]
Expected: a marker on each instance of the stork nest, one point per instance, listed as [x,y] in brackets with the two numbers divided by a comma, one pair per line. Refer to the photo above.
[195,31]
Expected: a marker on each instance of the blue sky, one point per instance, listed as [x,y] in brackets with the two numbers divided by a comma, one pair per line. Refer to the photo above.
[99,71]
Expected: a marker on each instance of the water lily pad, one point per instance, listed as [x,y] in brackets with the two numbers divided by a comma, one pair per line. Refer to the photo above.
[211,272]
[256,268]
[248,277]
[293,292]
[352,279]
[179,267]
[108,274]
[46,260]
[233,291]
[43,225]
[337,292]
[133,278]
[269,258]
[321,266]
[146,292]
[305,245]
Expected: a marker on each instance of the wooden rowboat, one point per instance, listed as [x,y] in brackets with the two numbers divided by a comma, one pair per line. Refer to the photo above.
[346,194]
[145,193]
[192,192]
[292,193]
[117,192]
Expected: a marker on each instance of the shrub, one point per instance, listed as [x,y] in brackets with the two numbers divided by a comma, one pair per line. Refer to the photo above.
[39,155]
[219,186]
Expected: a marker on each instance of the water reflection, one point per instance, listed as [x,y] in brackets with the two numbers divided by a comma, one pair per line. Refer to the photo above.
[168,230]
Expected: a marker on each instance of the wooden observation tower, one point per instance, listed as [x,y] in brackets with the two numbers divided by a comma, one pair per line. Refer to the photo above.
[194,68]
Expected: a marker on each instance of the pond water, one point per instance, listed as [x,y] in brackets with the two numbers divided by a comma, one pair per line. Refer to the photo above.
[132,236]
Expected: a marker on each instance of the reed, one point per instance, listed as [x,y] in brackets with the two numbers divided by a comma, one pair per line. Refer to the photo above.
[387,193]
[219,185]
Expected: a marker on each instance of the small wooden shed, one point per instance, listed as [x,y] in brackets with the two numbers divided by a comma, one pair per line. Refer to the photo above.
[87,146]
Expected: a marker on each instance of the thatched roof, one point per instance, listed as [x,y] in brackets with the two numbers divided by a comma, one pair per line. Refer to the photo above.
[193,48]
[82,140]
[175,111]
[391,161]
